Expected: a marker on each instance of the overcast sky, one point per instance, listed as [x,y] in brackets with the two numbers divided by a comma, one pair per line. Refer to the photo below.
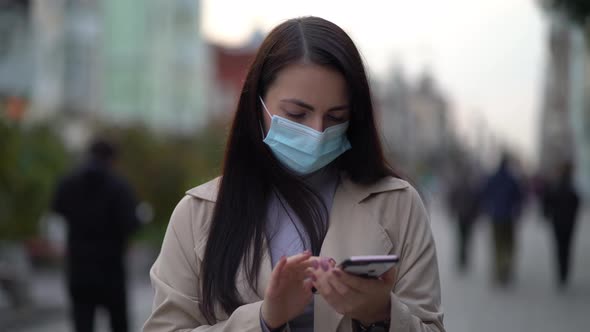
[487,55]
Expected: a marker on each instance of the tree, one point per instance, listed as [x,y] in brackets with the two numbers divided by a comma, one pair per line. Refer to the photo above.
[30,163]
[161,167]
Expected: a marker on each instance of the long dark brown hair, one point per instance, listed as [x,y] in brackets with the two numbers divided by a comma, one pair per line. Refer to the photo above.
[251,173]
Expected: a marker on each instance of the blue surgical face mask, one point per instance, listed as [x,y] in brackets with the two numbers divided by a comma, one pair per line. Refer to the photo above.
[302,149]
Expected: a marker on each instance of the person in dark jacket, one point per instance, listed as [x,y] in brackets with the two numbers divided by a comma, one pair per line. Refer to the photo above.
[502,202]
[464,205]
[560,205]
[100,210]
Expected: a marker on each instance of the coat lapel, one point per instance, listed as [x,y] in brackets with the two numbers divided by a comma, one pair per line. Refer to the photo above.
[353,231]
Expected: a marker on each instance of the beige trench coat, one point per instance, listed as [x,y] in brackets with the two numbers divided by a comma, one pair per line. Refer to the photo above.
[387,217]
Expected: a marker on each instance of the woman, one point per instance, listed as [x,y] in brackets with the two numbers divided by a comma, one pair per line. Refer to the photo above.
[304,186]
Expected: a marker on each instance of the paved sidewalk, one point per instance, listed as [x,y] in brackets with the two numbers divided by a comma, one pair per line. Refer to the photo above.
[532,302]
[470,301]
[50,314]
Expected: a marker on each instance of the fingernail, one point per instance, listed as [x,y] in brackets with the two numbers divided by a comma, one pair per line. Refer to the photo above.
[325,266]
[332,262]
[307,252]
[315,265]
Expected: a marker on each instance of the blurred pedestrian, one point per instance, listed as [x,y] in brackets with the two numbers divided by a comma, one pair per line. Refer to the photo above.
[560,206]
[100,210]
[502,202]
[304,176]
[464,205]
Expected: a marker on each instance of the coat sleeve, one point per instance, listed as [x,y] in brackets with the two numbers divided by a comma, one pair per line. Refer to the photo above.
[416,298]
[175,280]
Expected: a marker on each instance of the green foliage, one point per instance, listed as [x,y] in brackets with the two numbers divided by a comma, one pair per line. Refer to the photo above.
[161,168]
[30,161]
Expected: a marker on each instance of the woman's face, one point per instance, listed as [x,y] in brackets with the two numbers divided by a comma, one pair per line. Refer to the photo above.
[309,94]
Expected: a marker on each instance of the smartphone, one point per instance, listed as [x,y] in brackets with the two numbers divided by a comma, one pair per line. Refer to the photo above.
[369,266]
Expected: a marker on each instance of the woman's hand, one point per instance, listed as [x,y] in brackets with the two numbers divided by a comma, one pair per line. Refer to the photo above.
[289,290]
[366,300]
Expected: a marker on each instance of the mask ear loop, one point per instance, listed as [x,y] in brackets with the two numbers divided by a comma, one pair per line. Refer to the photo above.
[267,112]
[264,105]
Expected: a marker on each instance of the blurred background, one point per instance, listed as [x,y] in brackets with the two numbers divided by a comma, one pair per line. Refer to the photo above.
[457,84]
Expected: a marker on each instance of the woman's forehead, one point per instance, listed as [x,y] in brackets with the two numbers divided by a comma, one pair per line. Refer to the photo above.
[316,85]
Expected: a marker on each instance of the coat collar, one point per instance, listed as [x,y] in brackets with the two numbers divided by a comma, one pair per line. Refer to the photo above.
[357,192]
[207,191]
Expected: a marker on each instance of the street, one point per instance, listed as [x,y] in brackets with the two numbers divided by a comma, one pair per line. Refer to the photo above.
[471,301]
[532,303]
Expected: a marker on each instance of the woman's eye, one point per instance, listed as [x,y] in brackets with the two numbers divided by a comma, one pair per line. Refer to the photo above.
[296,115]
[336,118]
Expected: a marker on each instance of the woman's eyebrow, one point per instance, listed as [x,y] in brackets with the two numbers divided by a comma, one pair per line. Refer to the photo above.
[298,103]
[311,108]
[339,108]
